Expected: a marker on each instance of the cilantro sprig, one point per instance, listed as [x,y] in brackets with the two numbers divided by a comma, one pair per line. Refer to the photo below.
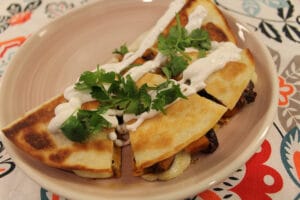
[122,50]
[174,44]
[114,91]
[80,126]
[168,93]
[126,96]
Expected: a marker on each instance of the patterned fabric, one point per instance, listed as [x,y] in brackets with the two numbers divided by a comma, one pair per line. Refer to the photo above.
[273,172]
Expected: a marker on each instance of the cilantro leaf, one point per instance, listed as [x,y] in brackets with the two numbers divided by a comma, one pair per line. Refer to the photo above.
[122,50]
[74,130]
[144,97]
[80,126]
[174,44]
[130,98]
[200,39]
[90,79]
[167,72]
[92,120]
[100,94]
[176,41]
[130,88]
[167,96]
[159,105]
[201,53]
[175,66]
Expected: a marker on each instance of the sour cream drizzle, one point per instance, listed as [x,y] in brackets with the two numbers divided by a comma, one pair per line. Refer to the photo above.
[196,18]
[150,39]
[225,52]
[77,98]
[195,74]
[137,72]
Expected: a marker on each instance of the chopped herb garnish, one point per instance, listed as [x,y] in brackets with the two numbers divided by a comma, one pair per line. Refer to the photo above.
[166,96]
[201,53]
[125,95]
[122,50]
[114,91]
[80,126]
[199,39]
[175,66]
[174,44]
[97,78]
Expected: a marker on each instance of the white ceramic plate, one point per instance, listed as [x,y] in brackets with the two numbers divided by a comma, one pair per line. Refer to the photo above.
[57,54]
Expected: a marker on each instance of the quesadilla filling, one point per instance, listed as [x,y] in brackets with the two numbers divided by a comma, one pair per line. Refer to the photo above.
[184,57]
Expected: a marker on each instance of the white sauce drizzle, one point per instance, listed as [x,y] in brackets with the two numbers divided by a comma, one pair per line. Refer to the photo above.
[225,52]
[149,40]
[70,93]
[65,110]
[220,54]
[196,18]
[137,72]
[191,50]
[139,119]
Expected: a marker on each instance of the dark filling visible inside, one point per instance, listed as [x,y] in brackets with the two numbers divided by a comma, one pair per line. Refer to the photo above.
[247,97]
[203,93]
[161,166]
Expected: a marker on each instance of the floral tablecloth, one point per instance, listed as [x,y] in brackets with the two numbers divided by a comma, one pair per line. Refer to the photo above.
[273,172]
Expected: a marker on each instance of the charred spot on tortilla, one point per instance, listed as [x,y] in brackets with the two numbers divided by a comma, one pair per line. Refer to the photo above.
[60,156]
[38,141]
[215,33]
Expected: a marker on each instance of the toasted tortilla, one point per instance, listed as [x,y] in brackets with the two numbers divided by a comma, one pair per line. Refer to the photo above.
[93,158]
[188,120]
[164,135]
[215,22]
[228,84]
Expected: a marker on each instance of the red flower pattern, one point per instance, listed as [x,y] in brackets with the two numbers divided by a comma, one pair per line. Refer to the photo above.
[18,14]
[286,90]
[20,18]
[6,45]
[260,179]
[209,195]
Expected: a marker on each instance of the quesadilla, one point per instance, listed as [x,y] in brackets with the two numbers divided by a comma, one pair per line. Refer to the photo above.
[158,140]
[166,98]
[95,158]
[158,154]
[165,135]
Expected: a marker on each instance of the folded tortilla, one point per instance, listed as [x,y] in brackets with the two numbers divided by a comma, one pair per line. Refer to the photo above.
[165,135]
[188,120]
[228,84]
[96,158]
[215,22]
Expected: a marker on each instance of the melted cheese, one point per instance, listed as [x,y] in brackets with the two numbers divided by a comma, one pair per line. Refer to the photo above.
[181,162]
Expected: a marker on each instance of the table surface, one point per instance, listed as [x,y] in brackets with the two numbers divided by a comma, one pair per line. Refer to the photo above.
[273,172]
